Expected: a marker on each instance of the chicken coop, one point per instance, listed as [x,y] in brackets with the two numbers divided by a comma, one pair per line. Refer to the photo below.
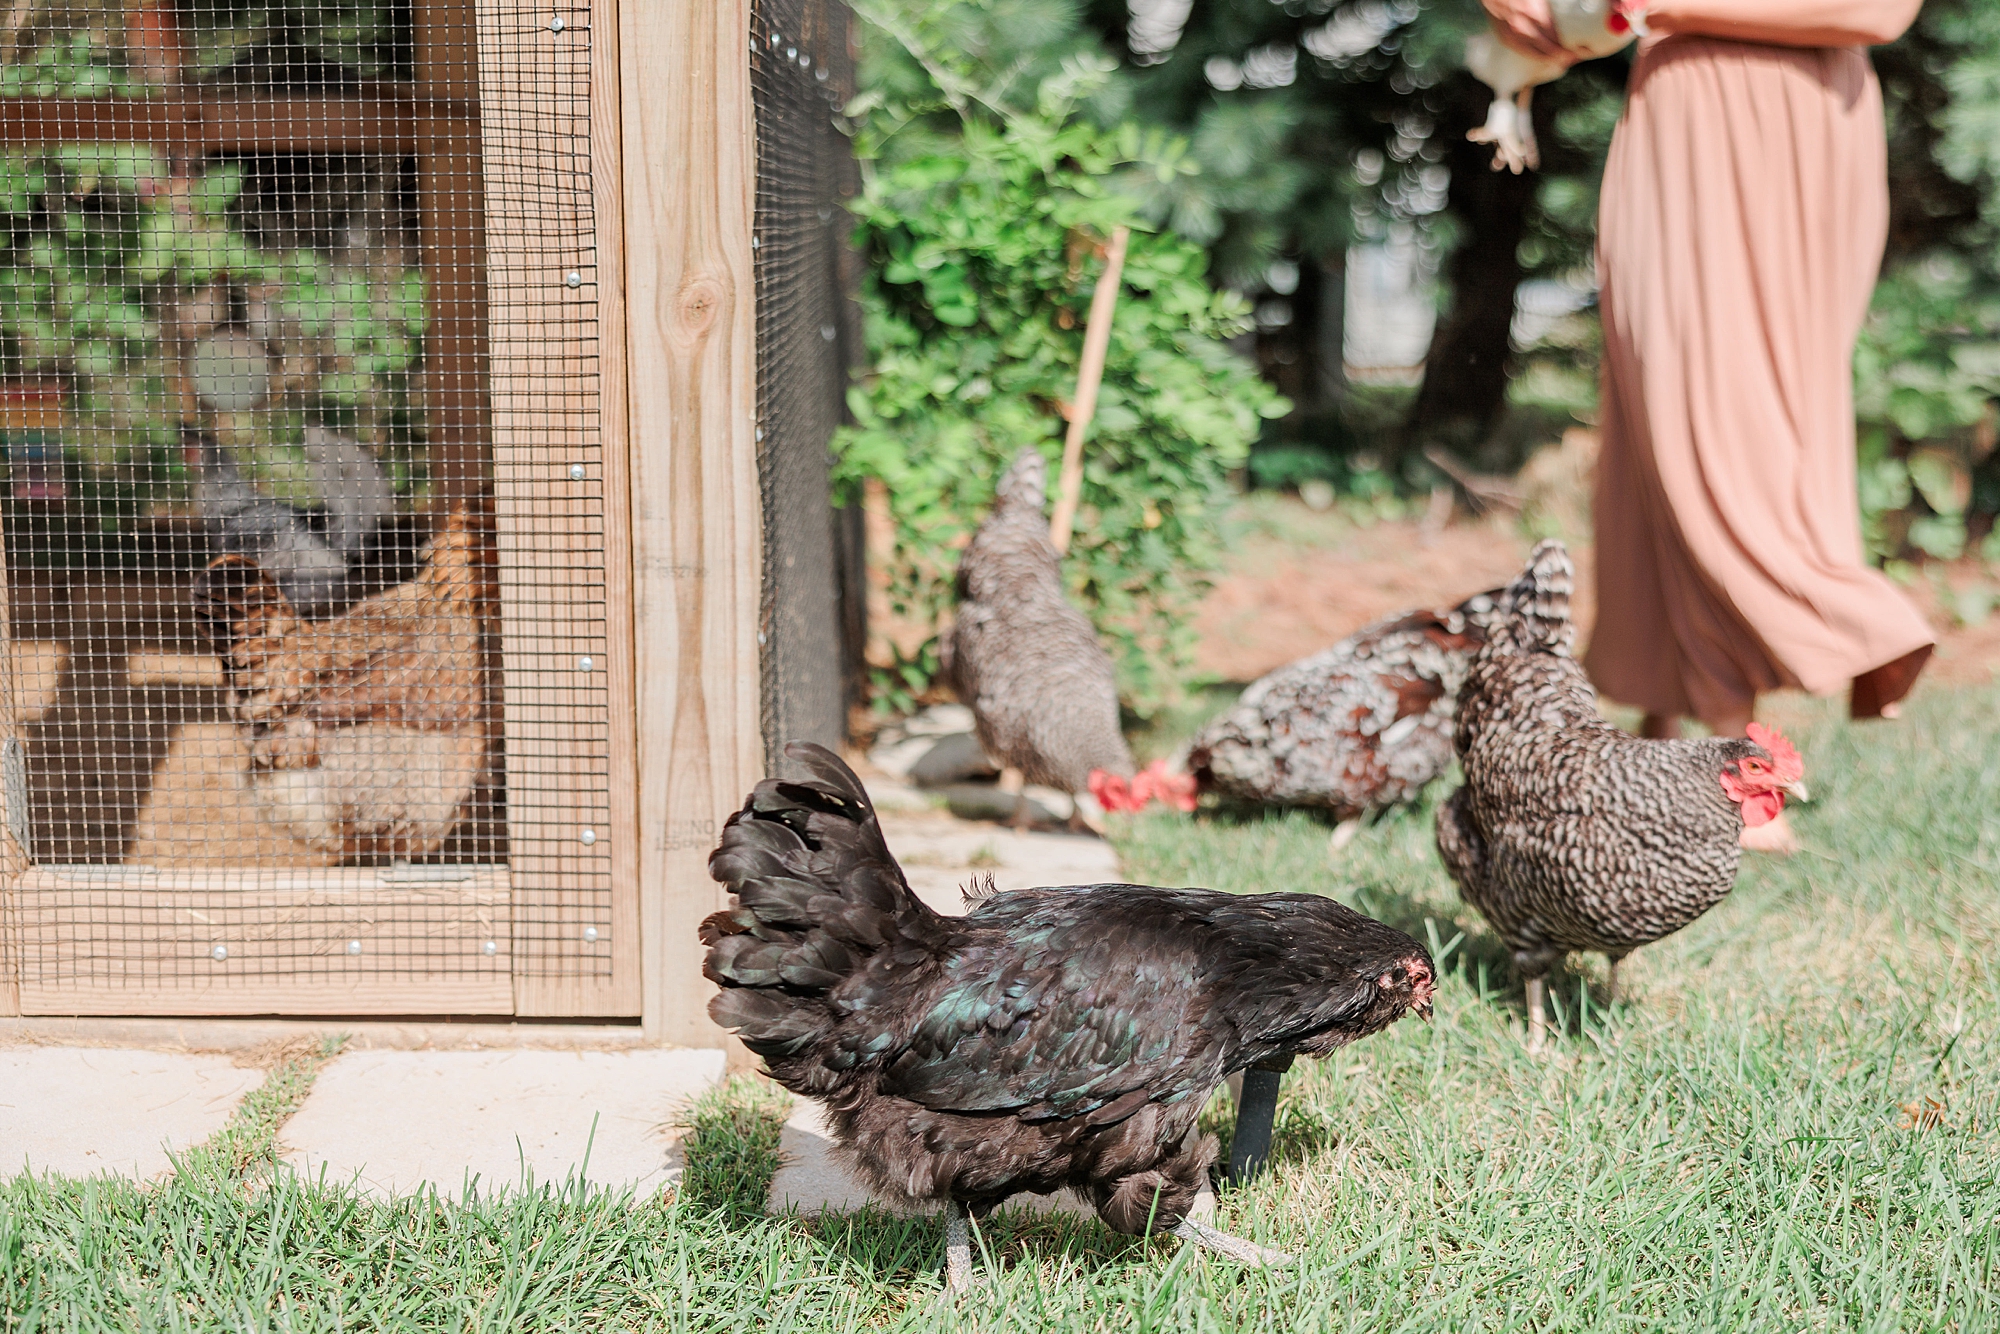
[417,524]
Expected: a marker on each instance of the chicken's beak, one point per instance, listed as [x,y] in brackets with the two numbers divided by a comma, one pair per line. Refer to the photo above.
[1797,791]
[1423,1011]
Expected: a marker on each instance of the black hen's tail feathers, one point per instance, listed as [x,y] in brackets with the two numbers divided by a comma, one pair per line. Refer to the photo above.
[1535,607]
[818,896]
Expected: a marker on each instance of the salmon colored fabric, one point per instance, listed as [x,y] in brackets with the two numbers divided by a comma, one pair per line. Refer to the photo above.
[1744,211]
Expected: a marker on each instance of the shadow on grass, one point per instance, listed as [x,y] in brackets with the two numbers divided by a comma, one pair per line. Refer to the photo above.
[893,1247]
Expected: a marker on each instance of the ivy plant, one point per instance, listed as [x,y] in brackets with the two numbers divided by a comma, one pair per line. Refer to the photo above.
[984,249]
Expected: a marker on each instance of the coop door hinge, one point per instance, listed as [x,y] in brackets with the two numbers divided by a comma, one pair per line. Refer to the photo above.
[14,787]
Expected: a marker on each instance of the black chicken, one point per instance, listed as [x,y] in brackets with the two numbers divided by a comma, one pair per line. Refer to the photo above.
[309,552]
[1050,1038]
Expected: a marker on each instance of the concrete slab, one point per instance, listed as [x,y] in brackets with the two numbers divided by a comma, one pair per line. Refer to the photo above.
[85,1112]
[940,856]
[815,1179]
[396,1121]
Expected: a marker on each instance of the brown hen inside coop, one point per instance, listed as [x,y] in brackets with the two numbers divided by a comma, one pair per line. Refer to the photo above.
[310,645]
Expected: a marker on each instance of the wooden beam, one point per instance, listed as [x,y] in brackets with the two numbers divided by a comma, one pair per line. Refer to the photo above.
[690,171]
[119,941]
[206,122]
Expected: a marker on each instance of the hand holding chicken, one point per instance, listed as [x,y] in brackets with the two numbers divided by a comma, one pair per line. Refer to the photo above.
[1532,42]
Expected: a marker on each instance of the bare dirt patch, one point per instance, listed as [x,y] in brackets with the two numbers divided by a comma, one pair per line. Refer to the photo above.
[1296,581]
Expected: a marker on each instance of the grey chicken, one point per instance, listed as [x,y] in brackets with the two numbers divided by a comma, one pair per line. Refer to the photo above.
[1355,728]
[1049,1038]
[1570,834]
[308,552]
[1042,691]
[368,733]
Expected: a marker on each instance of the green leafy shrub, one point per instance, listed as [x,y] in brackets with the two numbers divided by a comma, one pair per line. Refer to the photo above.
[984,249]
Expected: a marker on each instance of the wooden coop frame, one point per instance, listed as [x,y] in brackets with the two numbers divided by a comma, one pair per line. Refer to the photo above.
[678,566]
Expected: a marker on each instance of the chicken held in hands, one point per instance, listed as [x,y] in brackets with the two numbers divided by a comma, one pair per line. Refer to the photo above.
[1050,1038]
[1587,29]
[1570,834]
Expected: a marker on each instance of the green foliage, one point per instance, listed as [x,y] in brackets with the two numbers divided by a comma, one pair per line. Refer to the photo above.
[984,249]
[1927,370]
[97,244]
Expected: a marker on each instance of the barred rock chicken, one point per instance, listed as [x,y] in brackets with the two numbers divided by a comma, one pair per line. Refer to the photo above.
[1050,1038]
[308,553]
[1042,691]
[1570,834]
[1588,29]
[369,732]
[1354,728]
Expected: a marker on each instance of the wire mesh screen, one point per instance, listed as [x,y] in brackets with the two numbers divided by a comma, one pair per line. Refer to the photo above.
[282,627]
[801,76]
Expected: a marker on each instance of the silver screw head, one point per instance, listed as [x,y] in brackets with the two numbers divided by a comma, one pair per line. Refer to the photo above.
[590,935]
[589,837]
[219,953]
[491,947]
[556,24]
[572,279]
[354,947]
[584,664]
[576,473]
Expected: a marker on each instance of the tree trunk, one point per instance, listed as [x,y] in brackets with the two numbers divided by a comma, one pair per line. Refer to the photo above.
[1465,374]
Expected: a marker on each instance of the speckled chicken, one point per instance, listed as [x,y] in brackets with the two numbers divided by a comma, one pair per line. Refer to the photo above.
[1355,728]
[367,733]
[1042,691]
[1049,1038]
[1570,834]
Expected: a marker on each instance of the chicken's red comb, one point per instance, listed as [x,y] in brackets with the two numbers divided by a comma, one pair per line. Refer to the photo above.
[1114,792]
[1787,766]
[1155,783]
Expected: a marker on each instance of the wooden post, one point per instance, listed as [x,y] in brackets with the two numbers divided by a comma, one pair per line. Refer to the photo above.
[13,788]
[454,248]
[690,172]
[551,129]
[1096,343]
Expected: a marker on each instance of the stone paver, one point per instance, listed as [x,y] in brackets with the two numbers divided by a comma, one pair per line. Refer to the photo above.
[940,856]
[396,1121]
[81,1111]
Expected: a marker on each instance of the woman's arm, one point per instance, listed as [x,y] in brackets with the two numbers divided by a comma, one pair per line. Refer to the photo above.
[1786,22]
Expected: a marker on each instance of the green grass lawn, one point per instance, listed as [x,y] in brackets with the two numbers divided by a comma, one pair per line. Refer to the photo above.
[1791,1125]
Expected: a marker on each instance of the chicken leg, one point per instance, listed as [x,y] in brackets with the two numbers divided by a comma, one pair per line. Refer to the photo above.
[957,1249]
[1538,1020]
[1244,1252]
[1015,784]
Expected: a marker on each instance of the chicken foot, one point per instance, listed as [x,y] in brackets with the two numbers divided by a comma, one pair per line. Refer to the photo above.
[1244,1252]
[957,1249]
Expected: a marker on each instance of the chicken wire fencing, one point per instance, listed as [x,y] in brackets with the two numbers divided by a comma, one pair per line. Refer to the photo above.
[308,685]
[801,75]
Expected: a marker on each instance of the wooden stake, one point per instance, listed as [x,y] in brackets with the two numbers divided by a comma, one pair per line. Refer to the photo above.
[1096,342]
